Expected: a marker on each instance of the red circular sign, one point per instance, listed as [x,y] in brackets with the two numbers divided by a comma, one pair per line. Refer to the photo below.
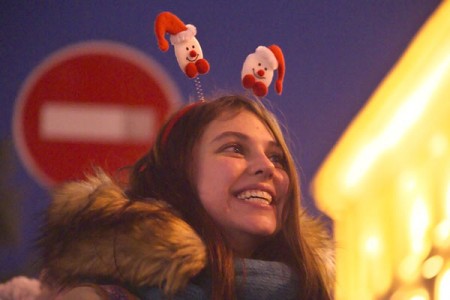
[90,104]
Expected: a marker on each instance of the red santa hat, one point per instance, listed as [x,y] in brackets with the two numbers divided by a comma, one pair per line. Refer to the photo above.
[167,22]
[273,57]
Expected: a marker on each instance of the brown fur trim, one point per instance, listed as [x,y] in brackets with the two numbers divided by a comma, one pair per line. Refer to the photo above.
[318,238]
[94,231]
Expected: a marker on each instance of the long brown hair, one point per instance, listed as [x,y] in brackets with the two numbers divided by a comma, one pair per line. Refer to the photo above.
[164,173]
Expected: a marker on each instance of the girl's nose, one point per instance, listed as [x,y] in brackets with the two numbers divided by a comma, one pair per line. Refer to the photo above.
[262,166]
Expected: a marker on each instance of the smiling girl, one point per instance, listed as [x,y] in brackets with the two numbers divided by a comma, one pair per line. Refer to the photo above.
[213,211]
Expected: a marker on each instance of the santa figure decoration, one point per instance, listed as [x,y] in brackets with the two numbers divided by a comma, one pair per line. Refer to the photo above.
[187,48]
[258,68]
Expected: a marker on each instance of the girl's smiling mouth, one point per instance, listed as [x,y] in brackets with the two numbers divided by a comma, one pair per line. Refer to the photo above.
[256,196]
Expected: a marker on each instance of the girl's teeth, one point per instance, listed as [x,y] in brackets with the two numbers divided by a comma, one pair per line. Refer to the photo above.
[257,200]
[255,196]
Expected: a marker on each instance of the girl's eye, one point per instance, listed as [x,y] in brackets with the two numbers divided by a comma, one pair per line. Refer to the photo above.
[278,160]
[233,148]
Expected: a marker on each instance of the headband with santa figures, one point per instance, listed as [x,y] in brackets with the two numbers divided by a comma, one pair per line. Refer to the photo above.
[257,70]
[188,51]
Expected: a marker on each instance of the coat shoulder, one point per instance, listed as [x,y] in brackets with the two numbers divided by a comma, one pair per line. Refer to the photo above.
[92,227]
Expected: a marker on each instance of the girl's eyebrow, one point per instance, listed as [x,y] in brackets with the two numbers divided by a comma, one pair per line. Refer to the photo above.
[240,136]
[227,134]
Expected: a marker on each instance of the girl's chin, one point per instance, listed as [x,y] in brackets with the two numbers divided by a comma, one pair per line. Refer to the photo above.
[258,235]
[261,227]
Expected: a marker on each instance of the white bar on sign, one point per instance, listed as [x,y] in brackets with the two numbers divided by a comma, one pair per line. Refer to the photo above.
[101,123]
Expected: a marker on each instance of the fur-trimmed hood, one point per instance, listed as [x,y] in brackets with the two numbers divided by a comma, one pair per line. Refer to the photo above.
[94,231]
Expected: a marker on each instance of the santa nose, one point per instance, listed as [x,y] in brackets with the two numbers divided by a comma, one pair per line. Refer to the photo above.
[261,72]
[192,53]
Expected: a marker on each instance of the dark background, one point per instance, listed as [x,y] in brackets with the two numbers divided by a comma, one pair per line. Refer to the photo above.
[337,52]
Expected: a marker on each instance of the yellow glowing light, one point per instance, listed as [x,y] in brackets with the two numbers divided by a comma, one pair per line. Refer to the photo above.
[432,266]
[390,173]
[442,234]
[408,269]
[447,202]
[443,286]
[419,297]
[408,182]
[372,245]
[362,162]
[406,115]
[439,144]
[411,294]
[418,224]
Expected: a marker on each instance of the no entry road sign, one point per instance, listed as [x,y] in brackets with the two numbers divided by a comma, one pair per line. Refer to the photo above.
[90,104]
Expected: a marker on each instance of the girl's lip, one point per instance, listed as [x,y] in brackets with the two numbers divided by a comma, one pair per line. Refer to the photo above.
[258,187]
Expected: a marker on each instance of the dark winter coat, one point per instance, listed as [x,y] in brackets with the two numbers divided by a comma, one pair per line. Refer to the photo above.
[95,234]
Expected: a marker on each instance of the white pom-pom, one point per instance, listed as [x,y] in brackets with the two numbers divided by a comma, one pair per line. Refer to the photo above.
[184,36]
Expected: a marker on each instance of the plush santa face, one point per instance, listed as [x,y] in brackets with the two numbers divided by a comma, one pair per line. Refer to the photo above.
[261,64]
[188,52]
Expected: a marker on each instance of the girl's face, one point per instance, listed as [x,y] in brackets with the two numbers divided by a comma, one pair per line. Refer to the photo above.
[240,178]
